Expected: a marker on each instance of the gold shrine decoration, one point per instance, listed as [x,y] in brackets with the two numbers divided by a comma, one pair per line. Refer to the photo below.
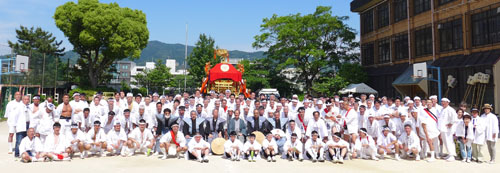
[222,53]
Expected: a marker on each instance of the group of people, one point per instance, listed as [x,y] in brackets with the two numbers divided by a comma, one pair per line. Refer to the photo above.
[187,125]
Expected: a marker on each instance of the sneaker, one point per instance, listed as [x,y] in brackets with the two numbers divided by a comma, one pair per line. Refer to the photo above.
[268,159]
[467,160]
[334,160]
[272,159]
[417,158]
[314,160]
[492,162]
[432,159]
[450,159]
[103,154]
[301,158]
[321,160]
[374,158]
[290,159]
[341,160]
[164,157]
[464,160]
[397,157]
[200,160]
[237,159]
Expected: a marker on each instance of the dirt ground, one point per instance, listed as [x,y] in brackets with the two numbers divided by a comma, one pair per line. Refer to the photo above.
[217,164]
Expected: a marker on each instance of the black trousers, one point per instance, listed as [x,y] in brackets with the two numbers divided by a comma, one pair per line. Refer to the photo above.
[192,157]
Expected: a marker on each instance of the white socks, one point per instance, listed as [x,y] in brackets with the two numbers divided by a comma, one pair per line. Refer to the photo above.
[10,147]
[163,151]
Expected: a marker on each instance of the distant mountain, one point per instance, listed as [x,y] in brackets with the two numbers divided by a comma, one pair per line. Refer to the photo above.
[158,50]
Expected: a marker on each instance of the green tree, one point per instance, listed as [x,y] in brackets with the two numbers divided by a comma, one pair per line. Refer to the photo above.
[312,43]
[329,86]
[256,76]
[202,53]
[102,34]
[352,73]
[156,79]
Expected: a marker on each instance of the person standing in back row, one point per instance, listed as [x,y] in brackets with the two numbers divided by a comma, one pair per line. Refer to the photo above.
[491,121]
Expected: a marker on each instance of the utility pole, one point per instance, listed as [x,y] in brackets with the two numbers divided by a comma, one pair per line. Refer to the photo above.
[185,57]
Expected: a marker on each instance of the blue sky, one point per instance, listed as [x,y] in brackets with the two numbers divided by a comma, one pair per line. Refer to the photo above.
[232,23]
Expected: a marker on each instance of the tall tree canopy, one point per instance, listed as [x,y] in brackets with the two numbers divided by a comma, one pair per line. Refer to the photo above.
[312,43]
[101,34]
[202,53]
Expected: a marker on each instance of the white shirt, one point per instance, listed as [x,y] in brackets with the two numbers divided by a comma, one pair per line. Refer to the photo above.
[431,125]
[78,136]
[193,144]
[92,137]
[179,138]
[297,145]
[34,145]
[318,126]
[113,136]
[448,116]
[51,145]
[411,140]
[310,144]
[266,143]
[255,145]
[141,137]
[11,111]
[332,142]
[480,130]
[491,126]
[386,140]
[228,145]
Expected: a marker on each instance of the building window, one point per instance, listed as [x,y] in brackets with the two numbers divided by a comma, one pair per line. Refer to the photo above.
[124,74]
[450,35]
[382,15]
[486,27]
[401,46]
[384,51]
[367,22]
[125,66]
[400,10]
[421,6]
[442,2]
[423,42]
[367,54]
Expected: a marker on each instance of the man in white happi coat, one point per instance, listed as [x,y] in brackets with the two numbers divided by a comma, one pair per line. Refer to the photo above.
[270,148]
[31,147]
[365,146]
[233,147]
[116,138]
[491,130]
[173,142]
[10,114]
[447,125]
[56,145]
[140,139]
[198,149]
[410,143]
[96,140]
[479,130]
[293,148]
[76,140]
[251,148]
[337,148]
[315,148]
[428,130]
[388,144]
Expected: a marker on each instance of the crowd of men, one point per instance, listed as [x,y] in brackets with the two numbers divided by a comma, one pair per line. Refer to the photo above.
[184,126]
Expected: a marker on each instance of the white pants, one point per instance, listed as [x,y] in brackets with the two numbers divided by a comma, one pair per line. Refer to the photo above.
[314,153]
[366,151]
[448,143]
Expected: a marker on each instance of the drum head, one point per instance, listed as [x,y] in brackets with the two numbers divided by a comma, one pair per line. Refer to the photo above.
[259,136]
[218,146]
